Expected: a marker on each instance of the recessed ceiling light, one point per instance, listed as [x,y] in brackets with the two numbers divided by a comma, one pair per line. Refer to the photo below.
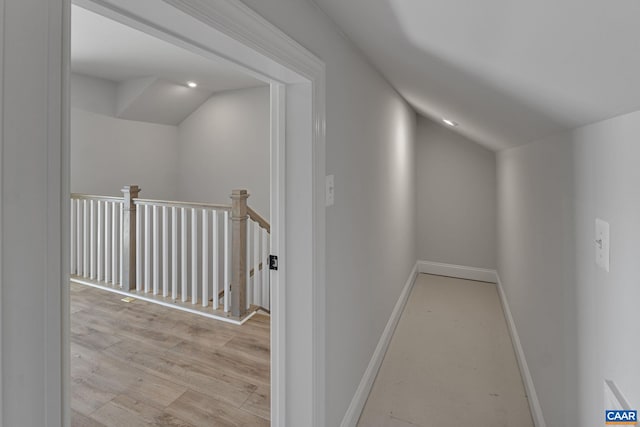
[192,84]
[450,122]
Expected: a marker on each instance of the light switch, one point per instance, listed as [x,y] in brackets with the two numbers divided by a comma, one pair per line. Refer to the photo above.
[602,244]
[330,190]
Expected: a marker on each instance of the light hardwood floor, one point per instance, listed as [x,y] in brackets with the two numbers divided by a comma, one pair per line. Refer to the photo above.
[141,364]
[450,362]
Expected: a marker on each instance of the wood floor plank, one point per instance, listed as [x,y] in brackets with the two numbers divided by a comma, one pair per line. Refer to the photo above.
[199,410]
[259,403]
[125,411]
[143,364]
[186,371]
[229,361]
[80,420]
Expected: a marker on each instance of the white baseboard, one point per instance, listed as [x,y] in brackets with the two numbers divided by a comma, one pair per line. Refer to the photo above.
[458,271]
[534,403]
[364,388]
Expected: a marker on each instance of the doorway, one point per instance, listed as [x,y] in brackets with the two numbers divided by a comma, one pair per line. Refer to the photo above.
[296,81]
[165,135]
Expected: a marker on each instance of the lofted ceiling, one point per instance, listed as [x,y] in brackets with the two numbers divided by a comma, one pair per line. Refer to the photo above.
[507,72]
[150,74]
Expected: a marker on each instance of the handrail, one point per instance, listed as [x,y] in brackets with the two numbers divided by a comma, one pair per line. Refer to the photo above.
[94,197]
[259,219]
[182,204]
[112,243]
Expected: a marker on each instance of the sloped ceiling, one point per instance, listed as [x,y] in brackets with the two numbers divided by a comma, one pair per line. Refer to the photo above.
[150,74]
[508,72]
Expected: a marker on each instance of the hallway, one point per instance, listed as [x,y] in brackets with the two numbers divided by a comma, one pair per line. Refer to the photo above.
[450,362]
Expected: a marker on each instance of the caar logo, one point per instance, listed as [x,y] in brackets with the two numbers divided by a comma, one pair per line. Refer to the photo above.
[625,417]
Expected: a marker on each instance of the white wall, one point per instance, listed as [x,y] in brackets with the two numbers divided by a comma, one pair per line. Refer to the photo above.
[223,145]
[371,228]
[93,94]
[456,198]
[578,324]
[107,153]
[535,263]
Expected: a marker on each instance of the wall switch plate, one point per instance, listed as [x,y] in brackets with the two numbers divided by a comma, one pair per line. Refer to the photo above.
[602,244]
[330,190]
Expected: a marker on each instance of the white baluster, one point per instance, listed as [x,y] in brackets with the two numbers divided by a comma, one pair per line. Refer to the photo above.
[92,239]
[139,248]
[174,253]
[249,289]
[165,251]
[214,258]
[72,238]
[85,269]
[107,241]
[80,249]
[194,256]
[257,273]
[121,254]
[227,262]
[147,248]
[205,257]
[184,237]
[156,251]
[100,242]
[265,290]
[115,208]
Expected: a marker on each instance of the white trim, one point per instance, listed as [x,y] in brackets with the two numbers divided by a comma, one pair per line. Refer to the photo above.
[277,217]
[532,396]
[458,271]
[2,143]
[160,300]
[364,388]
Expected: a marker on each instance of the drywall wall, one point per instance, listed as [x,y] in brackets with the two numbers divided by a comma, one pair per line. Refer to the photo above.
[536,264]
[607,175]
[574,319]
[223,145]
[107,153]
[370,233]
[456,198]
[93,94]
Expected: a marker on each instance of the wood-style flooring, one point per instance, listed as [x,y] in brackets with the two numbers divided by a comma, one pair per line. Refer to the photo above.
[140,364]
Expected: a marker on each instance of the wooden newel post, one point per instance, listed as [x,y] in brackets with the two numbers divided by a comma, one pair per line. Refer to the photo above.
[239,252]
[128,237]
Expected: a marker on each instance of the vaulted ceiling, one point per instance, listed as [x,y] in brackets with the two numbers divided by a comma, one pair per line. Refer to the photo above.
[150,74]
[508,72]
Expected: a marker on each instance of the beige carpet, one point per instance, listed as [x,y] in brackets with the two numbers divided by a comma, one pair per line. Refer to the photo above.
[450,362]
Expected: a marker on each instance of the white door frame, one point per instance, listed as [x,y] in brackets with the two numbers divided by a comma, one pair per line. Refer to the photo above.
[230,30]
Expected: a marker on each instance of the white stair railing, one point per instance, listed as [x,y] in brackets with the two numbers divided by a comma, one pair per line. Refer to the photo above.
[189,254]
[96,237]
[181,251]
